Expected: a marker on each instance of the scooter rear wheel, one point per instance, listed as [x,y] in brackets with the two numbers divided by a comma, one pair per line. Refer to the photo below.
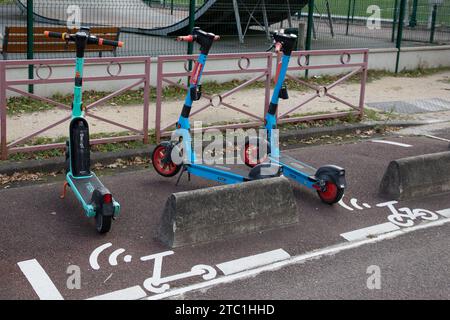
[332,193]
[102,223]
[162,164]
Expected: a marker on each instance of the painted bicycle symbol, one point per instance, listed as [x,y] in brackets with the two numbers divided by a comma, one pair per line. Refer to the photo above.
[405,217]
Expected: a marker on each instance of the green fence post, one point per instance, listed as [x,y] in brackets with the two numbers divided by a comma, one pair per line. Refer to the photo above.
[394,20]
[433,23]
[401,21]
[309,28]
[30,42]
[413,18]
[348,16]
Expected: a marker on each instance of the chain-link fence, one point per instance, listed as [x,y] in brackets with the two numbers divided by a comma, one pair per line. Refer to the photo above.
[148,27]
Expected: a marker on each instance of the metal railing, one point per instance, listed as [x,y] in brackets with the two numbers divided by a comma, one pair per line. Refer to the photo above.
[138,79]
[346,59]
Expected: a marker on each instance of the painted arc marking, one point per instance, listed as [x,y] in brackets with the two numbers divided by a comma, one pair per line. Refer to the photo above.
[354,202]
[39,280]
[317,254]
[113,257]
[364,233]
[445,213]
[393,143]
[250,262]
[131,293]
[344,205]
[93,261]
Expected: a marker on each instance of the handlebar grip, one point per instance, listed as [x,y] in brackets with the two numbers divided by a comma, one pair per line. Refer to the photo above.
[107,42]
[58,35]
[216,38]
[189,38]
[278,47]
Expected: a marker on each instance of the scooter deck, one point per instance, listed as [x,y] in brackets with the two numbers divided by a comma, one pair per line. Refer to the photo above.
[295,164]
[85,186]
[225,173]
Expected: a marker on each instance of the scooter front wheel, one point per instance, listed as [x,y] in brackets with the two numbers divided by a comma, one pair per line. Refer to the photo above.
[162,161]
[251,154]
[102,223]
[331,193]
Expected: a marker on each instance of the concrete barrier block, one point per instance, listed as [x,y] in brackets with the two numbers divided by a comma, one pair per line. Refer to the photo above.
[219,212]
[417,176]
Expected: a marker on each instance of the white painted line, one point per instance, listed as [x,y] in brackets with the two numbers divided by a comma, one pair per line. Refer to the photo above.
[437,138]
[375,230]
[257,260]
[445,213]
[39,280]
[393,143]
[295,260]
[132,293]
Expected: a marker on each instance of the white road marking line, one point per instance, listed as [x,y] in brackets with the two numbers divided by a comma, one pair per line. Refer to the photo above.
[364,233]
[257,260]
[132,293]
[296,260]
[437,138]
[445,213]
[39,280]
[393,143]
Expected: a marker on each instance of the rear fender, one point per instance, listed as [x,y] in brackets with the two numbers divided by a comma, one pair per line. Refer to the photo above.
[334,173]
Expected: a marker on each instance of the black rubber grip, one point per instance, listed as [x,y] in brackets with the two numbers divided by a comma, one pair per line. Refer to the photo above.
[52,34]
[107,42]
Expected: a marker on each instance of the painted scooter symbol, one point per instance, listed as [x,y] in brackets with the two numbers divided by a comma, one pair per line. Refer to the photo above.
[157,284]
[405,217]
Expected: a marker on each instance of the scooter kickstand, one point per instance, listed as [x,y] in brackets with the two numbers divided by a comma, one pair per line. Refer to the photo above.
[63,195]
[180,175]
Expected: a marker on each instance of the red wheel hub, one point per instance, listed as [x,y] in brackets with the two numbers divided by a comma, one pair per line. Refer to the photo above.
[251,155]
[163,167]
[330,193]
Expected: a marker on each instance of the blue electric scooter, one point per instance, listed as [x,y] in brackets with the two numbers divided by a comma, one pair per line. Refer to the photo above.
[95,198]
[162,158]
[329,180]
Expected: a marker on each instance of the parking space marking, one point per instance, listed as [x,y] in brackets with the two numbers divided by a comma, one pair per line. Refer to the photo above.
[365,233]
[404,145]
[131,293]
[445,213]
[39,280]
[250,262]
[295,260]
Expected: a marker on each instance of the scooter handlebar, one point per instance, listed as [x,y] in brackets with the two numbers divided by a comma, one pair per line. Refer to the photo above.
[191,38]
[91,39]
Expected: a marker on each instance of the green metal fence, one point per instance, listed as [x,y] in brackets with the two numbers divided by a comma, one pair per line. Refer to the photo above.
[148,27]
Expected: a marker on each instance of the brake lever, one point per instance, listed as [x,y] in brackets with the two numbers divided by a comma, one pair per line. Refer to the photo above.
[271,47]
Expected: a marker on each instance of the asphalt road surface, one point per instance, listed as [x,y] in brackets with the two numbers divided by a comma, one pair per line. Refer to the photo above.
[45,241]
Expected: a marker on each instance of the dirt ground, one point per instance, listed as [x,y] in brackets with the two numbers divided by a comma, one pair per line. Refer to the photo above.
[386,89]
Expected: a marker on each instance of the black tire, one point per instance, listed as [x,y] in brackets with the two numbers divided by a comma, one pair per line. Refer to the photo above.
[102,223]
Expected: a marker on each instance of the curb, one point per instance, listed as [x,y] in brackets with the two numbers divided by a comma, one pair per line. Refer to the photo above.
[105,158]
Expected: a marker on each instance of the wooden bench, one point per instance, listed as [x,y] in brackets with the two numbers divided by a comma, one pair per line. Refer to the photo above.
[15,40]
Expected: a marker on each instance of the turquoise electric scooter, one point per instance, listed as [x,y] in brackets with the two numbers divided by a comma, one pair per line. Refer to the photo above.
[95,198]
